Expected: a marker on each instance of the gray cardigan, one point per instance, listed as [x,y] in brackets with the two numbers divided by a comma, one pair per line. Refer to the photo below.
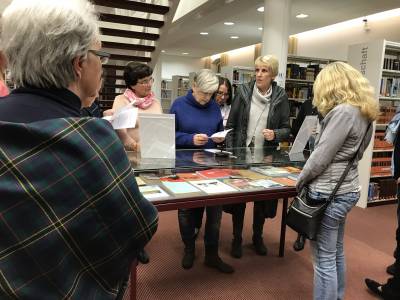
[342,132]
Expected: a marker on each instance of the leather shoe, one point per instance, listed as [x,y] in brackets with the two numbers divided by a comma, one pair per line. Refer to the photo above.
[299,243]
[259,246]
[143,257]
[374,286]
[390,269]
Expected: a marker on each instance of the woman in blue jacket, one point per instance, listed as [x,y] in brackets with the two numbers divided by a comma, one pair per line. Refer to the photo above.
[197,117]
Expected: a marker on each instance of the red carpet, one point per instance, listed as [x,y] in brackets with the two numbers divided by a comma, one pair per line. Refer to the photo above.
[369,245]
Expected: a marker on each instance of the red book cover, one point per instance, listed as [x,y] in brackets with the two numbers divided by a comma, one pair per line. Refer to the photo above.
[215,173]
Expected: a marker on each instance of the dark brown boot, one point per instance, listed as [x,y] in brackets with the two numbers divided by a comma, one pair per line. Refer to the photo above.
[259,246]
[236,250]
[213,260]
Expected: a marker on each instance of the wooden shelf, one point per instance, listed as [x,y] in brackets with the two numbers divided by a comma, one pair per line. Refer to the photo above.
[299,80]
[381,202]
[382,150]
[389,98]
[391,72]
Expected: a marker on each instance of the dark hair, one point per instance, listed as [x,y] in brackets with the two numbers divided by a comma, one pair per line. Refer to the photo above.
[134,71]
[225,81]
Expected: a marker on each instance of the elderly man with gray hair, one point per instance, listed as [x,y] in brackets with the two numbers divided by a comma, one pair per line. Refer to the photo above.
[72,217]
[197,117]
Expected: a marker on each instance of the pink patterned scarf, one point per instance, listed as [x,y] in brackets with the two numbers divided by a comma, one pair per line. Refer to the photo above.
[142,103]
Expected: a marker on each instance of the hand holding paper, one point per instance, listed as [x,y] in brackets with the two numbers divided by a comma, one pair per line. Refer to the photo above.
[123,118]
[220,134]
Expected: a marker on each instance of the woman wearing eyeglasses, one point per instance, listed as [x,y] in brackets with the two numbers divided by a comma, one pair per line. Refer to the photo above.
[223,97]
[197,117]
[138,92]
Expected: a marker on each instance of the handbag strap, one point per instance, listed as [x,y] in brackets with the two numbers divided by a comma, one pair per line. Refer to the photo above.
[347,167]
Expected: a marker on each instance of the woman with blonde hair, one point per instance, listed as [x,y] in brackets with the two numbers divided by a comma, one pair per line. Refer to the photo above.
[259,117]
[345,99]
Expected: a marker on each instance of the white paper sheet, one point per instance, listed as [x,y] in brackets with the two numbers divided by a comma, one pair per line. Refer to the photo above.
[123,118]
[220,134]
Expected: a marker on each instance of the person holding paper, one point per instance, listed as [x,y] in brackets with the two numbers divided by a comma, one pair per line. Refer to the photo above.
[346,100]
[138,93]
[223,97]
[259,117]
[72,217]
[197,117]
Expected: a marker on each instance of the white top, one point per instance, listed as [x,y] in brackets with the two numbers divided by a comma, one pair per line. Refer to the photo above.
[225,109]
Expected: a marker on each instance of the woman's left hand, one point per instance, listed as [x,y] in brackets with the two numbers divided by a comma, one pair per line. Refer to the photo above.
[268,134]
[218,140]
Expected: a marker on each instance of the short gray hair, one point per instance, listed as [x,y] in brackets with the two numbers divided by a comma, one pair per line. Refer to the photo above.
[206,81]
[40,39]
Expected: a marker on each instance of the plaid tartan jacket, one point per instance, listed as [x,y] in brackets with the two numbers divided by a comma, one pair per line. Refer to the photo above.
[71,216]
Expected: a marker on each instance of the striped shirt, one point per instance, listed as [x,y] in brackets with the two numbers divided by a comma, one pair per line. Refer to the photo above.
[342,132]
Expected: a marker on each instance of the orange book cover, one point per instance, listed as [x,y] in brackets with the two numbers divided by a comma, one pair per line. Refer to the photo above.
[215,173]
[285,181]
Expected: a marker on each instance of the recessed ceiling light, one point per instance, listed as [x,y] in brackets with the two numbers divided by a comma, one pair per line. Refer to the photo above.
[229,23]
[301,16]
[260,9]
[234,37]
[163,51]
[260,28]
[185,53]
[204,33]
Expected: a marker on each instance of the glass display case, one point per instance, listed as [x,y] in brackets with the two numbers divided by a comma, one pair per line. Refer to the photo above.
[197,178]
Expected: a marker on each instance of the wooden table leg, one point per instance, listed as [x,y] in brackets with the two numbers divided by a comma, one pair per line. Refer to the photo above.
[133,280]
[283,228]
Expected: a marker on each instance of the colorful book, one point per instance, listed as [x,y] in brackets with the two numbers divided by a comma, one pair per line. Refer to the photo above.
[215,173]
[285,181]
[249,174]
[271,171]
[189,176]
[153,192]
[293,176]
[266,183]
[213,186]
[180,187]
[292,169]
[139,181]
[241,184]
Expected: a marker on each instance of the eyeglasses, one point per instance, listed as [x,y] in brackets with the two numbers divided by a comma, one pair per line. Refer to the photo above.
[104,56]
[219,93]
[146,81]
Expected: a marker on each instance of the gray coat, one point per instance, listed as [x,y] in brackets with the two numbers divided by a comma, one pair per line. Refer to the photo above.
[278,116]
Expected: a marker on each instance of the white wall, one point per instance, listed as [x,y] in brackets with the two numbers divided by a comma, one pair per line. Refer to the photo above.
[333,43]
[179,65]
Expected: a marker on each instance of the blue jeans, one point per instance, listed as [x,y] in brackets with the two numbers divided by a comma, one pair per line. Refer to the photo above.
[327,250]
[187,218]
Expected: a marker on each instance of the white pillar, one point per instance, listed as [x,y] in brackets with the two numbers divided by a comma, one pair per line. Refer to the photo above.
[276,33]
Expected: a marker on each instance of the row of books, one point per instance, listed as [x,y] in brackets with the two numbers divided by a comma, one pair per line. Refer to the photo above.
[384,189]
[215,181]
[242,77]
[391,62]
[298,92]
[390,87]
[386,114]
[295,71]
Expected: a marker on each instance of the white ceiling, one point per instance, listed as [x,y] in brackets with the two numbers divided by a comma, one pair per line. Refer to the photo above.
[184,34]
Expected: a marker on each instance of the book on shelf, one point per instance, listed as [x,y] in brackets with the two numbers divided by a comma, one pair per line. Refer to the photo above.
[249,174]
[189,176]
[139,181]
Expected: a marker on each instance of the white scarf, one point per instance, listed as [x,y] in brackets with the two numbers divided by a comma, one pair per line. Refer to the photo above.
[259,109]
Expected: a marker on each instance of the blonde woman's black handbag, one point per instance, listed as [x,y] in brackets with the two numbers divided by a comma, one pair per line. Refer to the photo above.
[304,215]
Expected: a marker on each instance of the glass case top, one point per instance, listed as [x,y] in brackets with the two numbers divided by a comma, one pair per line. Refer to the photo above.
[197,159]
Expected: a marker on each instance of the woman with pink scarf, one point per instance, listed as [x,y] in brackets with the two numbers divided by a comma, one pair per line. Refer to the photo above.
[138,81]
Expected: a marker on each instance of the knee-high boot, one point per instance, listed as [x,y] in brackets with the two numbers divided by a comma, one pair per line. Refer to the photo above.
[213,260]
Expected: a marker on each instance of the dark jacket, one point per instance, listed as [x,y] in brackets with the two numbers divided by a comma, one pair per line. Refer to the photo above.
[396,156]
[72,217]
[278,116]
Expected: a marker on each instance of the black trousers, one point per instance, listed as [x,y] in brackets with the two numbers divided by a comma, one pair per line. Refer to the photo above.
[261,210]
